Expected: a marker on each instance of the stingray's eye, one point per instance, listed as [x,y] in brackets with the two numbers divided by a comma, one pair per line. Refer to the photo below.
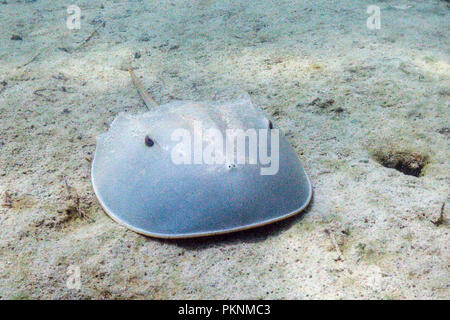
[149,141]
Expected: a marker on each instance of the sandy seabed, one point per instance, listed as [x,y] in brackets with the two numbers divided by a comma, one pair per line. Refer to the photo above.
[361,107]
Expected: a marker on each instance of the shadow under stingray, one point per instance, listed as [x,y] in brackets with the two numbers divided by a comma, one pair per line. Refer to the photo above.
[253,235]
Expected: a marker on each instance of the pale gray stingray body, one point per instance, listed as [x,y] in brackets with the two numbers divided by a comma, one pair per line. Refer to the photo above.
[140,182]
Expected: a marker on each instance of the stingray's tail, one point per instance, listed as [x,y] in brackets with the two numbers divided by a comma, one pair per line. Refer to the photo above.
[149,101]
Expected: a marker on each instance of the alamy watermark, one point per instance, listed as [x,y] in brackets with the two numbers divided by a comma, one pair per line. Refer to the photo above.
[210,147]
[374,20]
[74,280]
[74,19]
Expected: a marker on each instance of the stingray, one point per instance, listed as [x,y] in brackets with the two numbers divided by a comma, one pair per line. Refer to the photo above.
[174,171]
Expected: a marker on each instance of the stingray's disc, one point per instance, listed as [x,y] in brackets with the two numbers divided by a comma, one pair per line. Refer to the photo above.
[141,187]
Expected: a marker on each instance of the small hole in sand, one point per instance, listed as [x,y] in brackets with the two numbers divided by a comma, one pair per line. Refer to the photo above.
[409,163]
